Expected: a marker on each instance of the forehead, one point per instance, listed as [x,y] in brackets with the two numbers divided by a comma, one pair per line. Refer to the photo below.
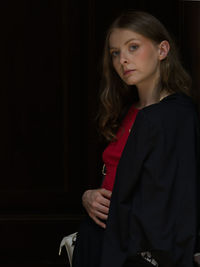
[119,37]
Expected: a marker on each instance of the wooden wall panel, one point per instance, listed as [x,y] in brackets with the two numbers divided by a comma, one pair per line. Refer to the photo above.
[39,194]
[190,36]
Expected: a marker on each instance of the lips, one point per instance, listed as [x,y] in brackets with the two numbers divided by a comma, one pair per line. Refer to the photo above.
[126,72]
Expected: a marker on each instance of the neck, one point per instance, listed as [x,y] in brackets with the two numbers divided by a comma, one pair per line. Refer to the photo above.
[149,97]
[149,91]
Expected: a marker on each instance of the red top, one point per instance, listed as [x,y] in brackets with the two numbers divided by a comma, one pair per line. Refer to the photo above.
[113,151]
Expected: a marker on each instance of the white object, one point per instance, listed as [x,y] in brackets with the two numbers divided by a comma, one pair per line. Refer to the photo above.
[68,242]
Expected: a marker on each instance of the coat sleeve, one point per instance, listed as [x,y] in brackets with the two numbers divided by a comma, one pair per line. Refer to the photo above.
[158,206]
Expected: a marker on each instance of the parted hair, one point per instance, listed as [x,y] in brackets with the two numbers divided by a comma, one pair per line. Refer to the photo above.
[115,95]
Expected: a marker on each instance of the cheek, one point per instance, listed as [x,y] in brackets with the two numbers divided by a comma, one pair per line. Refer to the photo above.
[148,60]
[144,55]
[147,53]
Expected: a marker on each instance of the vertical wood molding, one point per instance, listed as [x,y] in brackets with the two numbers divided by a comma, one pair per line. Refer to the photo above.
[191,42]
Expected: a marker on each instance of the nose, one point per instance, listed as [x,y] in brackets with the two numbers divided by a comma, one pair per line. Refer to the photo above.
[123,58]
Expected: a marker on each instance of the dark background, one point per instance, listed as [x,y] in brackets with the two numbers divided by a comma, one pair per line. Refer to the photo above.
[50,151]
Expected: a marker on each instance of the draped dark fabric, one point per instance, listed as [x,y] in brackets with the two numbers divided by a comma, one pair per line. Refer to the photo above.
[154,201]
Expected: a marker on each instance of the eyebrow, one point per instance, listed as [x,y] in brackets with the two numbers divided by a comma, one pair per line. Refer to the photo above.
[124,43]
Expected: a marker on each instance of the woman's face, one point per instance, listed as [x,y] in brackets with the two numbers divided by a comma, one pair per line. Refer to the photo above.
[135,58]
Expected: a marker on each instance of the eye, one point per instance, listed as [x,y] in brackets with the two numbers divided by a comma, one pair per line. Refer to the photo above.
[133,47]
[114,53]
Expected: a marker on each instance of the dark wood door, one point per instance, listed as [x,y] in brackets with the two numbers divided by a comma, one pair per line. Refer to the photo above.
[44,123]
[190,42]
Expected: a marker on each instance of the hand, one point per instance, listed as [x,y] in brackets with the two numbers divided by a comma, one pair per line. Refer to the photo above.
[97,202]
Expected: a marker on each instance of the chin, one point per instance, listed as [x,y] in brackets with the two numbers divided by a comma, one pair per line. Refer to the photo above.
[129,82]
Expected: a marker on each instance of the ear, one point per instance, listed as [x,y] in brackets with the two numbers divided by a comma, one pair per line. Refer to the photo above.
[163,49]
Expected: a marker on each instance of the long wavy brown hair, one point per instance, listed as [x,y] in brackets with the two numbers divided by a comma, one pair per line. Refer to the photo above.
[116,96]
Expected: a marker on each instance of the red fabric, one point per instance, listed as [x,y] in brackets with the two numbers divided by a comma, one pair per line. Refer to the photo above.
[113,151]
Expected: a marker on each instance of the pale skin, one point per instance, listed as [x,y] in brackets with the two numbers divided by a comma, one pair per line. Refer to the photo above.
[97,202]
[136,59]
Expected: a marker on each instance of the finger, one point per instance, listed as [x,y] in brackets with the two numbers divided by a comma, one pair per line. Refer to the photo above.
[101,199]
[101,216]
[100,223]
[105,202]
[106,193]
[102,209]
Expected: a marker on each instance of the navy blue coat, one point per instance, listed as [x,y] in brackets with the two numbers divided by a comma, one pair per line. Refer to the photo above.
[154,204]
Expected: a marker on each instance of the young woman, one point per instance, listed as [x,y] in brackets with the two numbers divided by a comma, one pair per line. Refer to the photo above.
[145,213]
